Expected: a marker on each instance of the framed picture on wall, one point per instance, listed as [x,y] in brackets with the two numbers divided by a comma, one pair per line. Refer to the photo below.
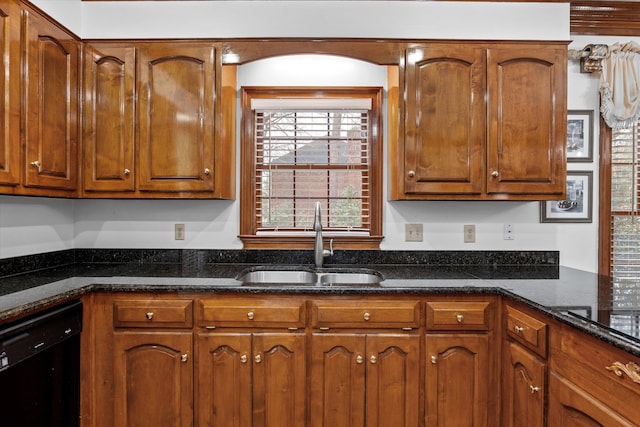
[580,136]
[578,205]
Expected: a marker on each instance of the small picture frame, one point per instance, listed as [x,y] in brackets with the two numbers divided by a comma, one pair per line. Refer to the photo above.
[580,136]
[578,205]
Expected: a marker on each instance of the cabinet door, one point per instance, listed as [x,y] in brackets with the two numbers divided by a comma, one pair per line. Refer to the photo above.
[223,394]
[570,406]
[10,90]
[458,381]
[524,388]
[393,380]
[527,119]
[176,100]
[337,380]
[108,119]
[153,379]
[279,380]
[445,120]
[51,112]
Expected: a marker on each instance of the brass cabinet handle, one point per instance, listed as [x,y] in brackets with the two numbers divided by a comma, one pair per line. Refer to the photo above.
[434,359]
[373,359]
[518,329]
[495,174]
[251,315]
[127,172]
[36,164]
[149,315]
[359,359]
[184,357]
[460,318]
[632,370]
[412,174]
[243,358]
[366,315]
[534,389]
[207,171]
[258,358]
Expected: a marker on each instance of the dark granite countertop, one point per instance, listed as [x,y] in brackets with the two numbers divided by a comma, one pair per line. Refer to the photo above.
[568,295]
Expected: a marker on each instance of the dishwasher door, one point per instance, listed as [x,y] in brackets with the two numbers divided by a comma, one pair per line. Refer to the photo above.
[40,369]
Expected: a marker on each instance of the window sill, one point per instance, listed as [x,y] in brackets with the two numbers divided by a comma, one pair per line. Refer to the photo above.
[306,242]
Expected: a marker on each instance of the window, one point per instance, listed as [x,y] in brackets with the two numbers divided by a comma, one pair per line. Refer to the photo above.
[622,227]
[302,146]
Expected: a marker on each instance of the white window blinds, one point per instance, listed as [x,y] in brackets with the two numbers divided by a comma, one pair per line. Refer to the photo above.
[305,155]
[625,228]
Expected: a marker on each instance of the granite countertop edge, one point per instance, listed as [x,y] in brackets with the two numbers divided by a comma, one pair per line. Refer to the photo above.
[24,302]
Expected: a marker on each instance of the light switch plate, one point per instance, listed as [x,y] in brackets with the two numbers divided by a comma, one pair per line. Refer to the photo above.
[413,232]
[179,232]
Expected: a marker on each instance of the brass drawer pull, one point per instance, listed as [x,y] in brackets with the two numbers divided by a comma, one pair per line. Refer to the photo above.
[373,359]
[495,174]
[359,359]
[434,359]
[243,358]
[36,164]
[258,358]
[251,315]
[518,329]
[366,315]
[460,318]
[127,172]
[631,369]
[149,315]
[184,357]
[534,389]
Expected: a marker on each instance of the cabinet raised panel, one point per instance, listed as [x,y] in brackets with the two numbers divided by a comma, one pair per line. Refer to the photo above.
[458,380]
[365,380]
[524,388]
[481,121]
[444,145]
[10,105]
[527,120]
[153,375]
[176,109]
[251,379]
[108,127]
[51,98]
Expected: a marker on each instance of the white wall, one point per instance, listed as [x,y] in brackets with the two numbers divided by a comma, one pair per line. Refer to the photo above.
[214,224]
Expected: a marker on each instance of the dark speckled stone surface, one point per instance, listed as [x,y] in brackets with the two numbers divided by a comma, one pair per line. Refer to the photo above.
[532,277]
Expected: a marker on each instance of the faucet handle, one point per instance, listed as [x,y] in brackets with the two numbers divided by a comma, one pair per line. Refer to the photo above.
[328,252]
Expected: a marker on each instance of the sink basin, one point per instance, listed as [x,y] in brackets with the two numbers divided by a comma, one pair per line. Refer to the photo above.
[278,277]
[301,276]
[368,278]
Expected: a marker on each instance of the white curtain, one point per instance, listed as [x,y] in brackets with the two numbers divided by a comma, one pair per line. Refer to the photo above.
[620,85]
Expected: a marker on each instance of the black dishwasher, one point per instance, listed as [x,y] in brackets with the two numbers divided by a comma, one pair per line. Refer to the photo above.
[40,369]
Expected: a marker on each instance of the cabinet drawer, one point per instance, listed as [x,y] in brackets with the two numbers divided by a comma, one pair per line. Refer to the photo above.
[459,315]
[365,314]
[527,330]
[152,313]
[240,312]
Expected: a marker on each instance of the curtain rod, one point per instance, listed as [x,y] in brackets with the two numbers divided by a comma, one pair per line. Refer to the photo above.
[590,57]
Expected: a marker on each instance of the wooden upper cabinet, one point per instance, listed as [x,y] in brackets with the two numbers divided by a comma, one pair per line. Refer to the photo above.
[10,105]
[482,121]
[109,123]
[527,119]
[176,84]
[50,110]
[445,121]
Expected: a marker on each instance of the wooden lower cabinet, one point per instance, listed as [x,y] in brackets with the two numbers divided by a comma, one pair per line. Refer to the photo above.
[251,379]
[458,380]
[360,379]
[570,406]
[523,387]
[153,379]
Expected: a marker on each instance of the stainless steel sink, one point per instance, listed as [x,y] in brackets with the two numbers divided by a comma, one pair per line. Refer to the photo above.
[368,278]
[278,277]
[307,276]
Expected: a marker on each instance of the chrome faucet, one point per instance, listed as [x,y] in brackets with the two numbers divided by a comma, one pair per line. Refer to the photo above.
[319,251]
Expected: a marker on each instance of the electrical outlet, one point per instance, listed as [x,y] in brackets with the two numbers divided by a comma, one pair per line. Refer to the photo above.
[469,233]
[508,232]
[413,232]
[179,231]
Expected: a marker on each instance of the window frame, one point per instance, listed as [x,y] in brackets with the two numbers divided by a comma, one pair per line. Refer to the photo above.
[248,230]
